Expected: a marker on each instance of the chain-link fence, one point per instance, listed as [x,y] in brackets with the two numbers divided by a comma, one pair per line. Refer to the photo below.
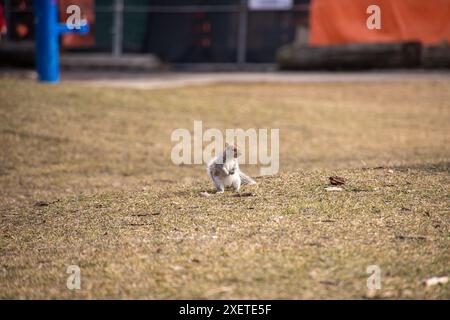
[183,31]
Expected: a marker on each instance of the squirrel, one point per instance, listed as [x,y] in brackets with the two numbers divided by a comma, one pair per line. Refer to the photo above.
[224,170]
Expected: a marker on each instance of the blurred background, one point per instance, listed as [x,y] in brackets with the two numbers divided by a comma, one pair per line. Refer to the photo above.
[232,34]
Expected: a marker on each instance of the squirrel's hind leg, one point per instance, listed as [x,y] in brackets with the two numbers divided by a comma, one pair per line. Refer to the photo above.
[220,187]
[237,184]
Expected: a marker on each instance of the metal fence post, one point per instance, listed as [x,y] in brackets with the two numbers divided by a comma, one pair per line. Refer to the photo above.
[117,28]
[48,29]
[242,33]
[7,13]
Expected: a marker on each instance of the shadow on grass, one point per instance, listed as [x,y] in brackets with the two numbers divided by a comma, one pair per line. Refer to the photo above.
[428,167]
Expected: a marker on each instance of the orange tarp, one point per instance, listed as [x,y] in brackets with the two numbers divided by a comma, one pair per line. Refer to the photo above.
[344,21]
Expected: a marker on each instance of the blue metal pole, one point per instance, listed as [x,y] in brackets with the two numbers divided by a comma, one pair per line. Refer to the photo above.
[46,34]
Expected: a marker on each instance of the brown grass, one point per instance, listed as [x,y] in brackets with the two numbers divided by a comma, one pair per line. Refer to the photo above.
[138,227]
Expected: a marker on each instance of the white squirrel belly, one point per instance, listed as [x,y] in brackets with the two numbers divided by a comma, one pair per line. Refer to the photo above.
[228,180]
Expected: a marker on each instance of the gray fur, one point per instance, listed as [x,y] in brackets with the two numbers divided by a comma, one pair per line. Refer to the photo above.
[224,170]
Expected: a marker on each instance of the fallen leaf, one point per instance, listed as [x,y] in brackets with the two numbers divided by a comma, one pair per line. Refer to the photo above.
[337,181]
[436,280]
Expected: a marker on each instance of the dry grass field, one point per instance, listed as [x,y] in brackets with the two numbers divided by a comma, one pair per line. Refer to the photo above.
[86,179]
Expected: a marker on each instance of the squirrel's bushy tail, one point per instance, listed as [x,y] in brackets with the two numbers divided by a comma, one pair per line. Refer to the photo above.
[245,179]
